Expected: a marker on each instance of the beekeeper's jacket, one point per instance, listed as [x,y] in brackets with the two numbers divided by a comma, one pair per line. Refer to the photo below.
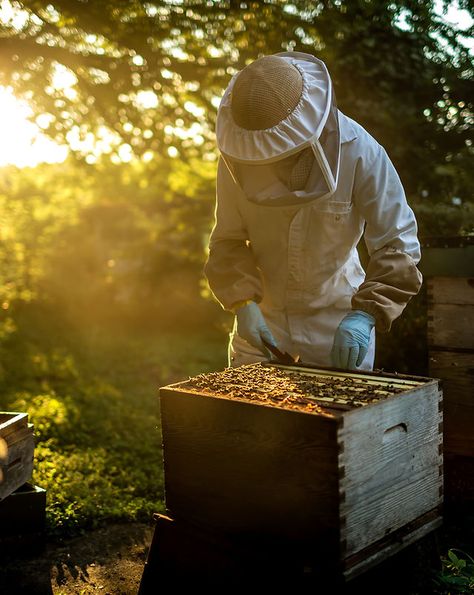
[298,258]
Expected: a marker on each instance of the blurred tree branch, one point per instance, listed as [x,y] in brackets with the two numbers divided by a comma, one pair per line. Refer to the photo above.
[398,68]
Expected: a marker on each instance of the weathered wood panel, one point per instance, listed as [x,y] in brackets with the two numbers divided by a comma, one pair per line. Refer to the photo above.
[451,326]
[384,548]
[344,487]
[250,469]
[451,290]
[390,465]
[451,357]
[457,373]
[16,452]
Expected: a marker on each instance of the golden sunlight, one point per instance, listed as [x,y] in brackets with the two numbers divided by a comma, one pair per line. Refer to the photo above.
[22,142]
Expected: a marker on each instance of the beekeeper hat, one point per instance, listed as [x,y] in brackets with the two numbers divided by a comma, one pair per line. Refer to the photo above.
[265,93]
[275,110]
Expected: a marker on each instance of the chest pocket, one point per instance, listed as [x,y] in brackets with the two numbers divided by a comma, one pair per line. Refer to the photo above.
[324,236]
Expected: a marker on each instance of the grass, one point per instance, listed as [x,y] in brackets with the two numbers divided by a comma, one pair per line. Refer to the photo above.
[92,394]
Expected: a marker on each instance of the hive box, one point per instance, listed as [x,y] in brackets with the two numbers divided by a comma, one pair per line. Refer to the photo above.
[448,268]
[17,445]
[340,487]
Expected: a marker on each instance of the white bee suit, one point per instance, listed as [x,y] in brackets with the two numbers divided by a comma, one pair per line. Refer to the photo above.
[294,251]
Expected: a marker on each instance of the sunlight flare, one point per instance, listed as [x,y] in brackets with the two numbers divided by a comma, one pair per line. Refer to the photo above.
[22,142]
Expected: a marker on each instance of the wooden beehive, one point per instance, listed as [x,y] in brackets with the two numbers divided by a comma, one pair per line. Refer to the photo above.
[449,273]
[17,445]
[345,480]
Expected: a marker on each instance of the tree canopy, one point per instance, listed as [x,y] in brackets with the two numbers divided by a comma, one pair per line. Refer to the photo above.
[153,72]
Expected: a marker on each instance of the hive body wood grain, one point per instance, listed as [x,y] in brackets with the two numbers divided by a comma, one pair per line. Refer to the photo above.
[451,356]
[349,485]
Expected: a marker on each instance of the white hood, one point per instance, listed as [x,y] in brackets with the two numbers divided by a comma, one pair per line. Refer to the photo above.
[252,156]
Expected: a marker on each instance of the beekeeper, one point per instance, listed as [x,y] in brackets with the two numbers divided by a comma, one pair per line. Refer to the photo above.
[298,184]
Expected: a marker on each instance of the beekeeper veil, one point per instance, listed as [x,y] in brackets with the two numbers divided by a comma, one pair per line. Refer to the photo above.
[278,132]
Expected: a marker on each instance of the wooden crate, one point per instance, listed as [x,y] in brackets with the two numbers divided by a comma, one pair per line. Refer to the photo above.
[448,269]
[346,485]
[17,447]
[451,356]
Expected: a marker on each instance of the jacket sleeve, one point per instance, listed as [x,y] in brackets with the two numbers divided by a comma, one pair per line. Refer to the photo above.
[392,277]
[231,268]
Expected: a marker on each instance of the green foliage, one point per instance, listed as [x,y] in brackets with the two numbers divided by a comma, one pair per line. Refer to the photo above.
[457,574]
[92,397]
[34,206]
[106,240]
[152,72]
[89,254]
[441,219]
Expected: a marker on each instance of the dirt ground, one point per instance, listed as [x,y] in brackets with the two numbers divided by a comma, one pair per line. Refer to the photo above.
[111,560]
[108,561]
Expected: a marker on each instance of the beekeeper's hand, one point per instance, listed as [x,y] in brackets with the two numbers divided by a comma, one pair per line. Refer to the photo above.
[252,327]
[351,340]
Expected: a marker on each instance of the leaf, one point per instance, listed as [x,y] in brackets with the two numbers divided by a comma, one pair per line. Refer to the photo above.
[452,556]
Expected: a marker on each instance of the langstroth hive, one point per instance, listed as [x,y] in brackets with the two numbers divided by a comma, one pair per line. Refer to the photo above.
[341,469]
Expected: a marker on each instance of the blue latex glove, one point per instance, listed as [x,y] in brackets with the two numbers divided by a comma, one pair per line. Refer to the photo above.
[251,326]
[351,340]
